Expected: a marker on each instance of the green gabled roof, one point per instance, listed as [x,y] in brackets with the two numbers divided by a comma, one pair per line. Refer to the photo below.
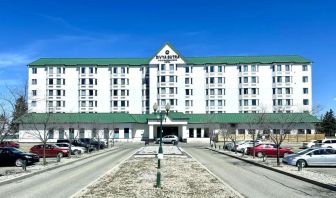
[89,61]
[252,118]
[229,60]
[143,118]
[233,60]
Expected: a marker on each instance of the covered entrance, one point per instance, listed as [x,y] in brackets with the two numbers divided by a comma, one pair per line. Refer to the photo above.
[167,131]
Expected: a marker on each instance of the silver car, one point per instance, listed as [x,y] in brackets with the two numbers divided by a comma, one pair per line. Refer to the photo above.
[168,139]
[312,157]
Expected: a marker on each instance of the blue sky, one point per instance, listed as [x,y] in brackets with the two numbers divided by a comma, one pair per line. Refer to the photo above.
[35,29]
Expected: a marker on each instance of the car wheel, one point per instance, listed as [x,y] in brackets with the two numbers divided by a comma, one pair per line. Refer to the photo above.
[19,162]
[329,147]
[173,142]
[303,162]
[60,154]
[260,154]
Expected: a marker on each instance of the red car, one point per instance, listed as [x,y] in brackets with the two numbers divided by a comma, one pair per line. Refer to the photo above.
[50,151]
[267,150]
[9,144]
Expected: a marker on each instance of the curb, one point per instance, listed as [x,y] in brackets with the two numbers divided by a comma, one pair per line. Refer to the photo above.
[323,185]
[51,168]
[225,184]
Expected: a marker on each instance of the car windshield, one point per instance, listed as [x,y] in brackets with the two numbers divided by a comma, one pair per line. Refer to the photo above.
[15,150]
[305,151]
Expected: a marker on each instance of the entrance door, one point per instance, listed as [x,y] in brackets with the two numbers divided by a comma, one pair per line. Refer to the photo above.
[167,131]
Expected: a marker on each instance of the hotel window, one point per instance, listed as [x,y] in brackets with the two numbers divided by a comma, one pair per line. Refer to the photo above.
[245,91]
[287,79]
[220,80]
[163,102]
[279,90]
[163,79]
[279,79]
[34,70]
[273,91]
[212,80]
[187,70]
[50,92]
[59,70]
[171,67]
[220,103]
[245,68]
[220,69]
[239,68]
[288,102]
[212,92]
[83,70]
[287,68]
[115,81]
[90,81]
[279,102]
[245,102]
[82,92]
[171,90]
[59,81]
[212,103]
[245,79]
[273,68]
[305,79]
[186,81]
[278,67]
[163,90]
[305,90]
[123,81]
[171,102]
[90,92]
[50,81]
[305,102]
[171,78]
[34,92]
[212,69]
[83,103]
[254,79]
[287,90]
[50,103]
[254,102]
[58,103]
[123,104]
[51,70]
[163,67]
[253,91]
[304,68]
[115,70]
[58,92]
[253,68]
[33,103]
[122,92]
[188,92]
[220,92]
[83,81]
[123,70]
[115,103]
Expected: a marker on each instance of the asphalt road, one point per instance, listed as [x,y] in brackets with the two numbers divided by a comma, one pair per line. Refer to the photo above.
[67,180]
[253,181]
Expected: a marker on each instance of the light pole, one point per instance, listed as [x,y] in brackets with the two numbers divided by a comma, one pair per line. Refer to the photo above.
[161,116]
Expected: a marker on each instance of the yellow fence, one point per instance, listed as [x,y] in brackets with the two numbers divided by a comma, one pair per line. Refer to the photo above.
[289,138]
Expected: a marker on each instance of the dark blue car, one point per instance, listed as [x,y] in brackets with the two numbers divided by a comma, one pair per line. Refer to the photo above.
[10,156]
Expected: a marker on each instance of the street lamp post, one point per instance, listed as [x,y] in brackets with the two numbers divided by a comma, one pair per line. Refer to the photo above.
[161,116]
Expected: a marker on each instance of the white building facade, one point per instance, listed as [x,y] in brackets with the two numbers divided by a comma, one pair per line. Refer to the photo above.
[194,85]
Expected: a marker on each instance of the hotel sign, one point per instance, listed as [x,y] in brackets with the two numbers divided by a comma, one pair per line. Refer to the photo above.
[167,57]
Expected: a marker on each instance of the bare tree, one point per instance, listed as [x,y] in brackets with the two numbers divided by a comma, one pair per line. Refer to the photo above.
[231,132]
[41,127]
[254,125]
[280,128]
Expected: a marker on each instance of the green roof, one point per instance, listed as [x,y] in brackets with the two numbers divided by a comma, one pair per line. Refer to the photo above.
[109,118]
[230,60]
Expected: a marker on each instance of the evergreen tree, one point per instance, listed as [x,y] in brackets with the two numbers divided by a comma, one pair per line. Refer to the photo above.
[328,123]
[20,109]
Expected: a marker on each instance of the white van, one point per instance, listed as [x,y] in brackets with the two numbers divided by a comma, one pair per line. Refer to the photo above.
[329,143]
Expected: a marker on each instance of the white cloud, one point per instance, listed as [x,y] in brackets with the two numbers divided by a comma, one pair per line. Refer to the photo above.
[335,98]
[12,59]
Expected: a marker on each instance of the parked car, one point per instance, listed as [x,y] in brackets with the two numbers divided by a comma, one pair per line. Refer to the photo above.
[312,157]
[312,143]
[51,150]
[9,144]
[269,150]
[242,146]
[13,156]
[329,143]
[78,143]
[75,150]
[93,142]
[168,139]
